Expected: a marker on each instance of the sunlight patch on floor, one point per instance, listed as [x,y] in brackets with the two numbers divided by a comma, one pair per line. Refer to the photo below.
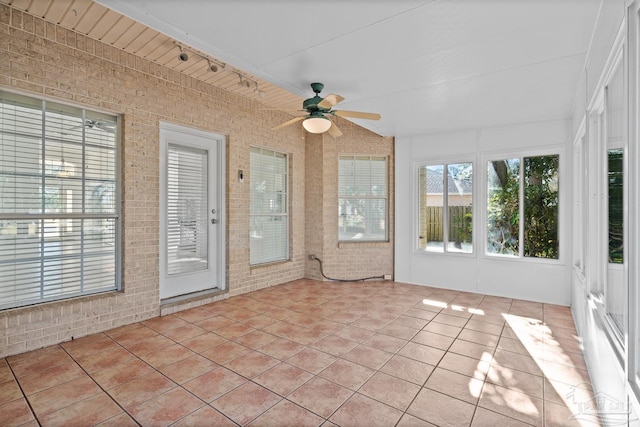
[571,385]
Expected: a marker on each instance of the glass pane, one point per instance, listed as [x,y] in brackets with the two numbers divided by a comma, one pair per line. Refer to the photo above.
[362,208]
[187,214]
[459,200]
[346,176]
[42,170]
[579,205]
[268,231]
[503,215]
[362,176]
[99,162]
[422,208]
[434,208]
[615,297]
[541,207]
[615,290]
[362,220]
[269,179]
[616,205]
[20,158]
[100,197]
[268,239]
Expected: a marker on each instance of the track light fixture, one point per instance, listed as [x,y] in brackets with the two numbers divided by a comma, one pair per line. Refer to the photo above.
[214,66]
[247,82]
[183,55]
[244,81]
[259,92]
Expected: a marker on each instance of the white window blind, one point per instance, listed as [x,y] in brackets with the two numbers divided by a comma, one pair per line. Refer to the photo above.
[59,215]
[187,216]
[269,210]
[362,191]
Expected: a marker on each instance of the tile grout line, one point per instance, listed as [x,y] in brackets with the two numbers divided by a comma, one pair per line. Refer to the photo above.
[24,395]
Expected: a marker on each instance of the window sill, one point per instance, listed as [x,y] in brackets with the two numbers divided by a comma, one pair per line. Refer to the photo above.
[268,264]
[448,253]
[363,243]
[528,260]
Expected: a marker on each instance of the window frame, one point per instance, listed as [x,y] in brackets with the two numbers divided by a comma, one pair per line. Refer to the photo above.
[633,67]
[580,203]
[444,162]
[384,199]
[599,147]
[483,193]
[285,215]
[42,104]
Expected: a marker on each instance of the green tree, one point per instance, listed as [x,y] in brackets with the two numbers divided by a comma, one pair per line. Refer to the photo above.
[540,207]
[503,207]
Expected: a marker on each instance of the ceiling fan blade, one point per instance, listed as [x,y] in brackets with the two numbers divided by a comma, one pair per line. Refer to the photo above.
[357,115]
[290,122]
[334,131]
[72,128]
[91,124]
[105,128]
[330,100]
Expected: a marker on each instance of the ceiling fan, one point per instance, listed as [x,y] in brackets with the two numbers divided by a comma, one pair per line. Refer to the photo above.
[91,124]
[320,110]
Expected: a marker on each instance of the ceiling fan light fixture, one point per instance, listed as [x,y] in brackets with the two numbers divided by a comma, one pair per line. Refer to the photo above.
[316,124]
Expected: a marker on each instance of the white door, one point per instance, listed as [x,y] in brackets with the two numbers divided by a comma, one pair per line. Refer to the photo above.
[191,215]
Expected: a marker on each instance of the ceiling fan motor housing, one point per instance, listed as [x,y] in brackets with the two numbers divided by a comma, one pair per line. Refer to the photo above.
[317,87]
[311,104]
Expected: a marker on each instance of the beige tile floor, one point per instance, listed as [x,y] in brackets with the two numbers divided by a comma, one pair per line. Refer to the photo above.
[310,353]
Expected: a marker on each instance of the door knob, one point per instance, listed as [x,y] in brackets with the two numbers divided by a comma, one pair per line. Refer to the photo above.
[214,221]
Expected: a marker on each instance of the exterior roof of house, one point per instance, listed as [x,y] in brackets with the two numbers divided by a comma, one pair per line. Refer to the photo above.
[454,186]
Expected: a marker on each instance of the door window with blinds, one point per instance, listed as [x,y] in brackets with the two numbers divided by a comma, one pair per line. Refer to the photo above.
[187,216]
[59,214]
[362,193]
[269,206]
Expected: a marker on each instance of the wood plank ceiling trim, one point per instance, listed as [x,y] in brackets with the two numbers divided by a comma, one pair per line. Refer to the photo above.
[100,23]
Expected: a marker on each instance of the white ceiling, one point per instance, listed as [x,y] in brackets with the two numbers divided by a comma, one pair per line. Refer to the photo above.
[425,66]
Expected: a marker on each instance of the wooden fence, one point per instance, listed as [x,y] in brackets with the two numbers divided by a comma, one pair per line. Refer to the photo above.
[459,223]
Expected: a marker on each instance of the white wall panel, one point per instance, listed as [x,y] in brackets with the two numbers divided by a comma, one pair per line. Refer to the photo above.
[605,369]
[611,16]
[526,279]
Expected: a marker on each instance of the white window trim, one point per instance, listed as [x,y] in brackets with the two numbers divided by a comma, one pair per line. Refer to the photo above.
[633,67]
[580,202]
[598,146]
[286,215]
[386,198]
[465,158]
[563,247]
[117,215]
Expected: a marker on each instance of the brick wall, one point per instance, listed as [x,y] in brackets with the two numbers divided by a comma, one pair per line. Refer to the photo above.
[45,60]
[342,260]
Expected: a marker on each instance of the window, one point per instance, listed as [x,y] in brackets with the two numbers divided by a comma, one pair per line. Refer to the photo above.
[522,207]
[362,205]
[187,210]
[580,204]
[634,161]
[269,228]
[615,294]
[59,210]
[450,229]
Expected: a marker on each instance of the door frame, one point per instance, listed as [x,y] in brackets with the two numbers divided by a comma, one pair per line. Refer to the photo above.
[220,147]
